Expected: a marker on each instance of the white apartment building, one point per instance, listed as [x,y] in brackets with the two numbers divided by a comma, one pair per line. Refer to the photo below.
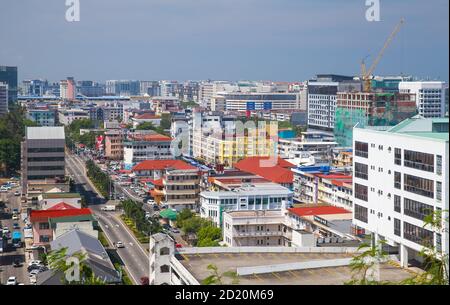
[137,148]
[430,97]
[297,149]
[322,104]
[399,176]
[269,196]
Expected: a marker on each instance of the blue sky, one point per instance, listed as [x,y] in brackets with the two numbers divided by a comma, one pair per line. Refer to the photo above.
[283,40]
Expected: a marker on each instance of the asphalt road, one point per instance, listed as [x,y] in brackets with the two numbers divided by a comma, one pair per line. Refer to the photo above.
[7,258]
[134,256]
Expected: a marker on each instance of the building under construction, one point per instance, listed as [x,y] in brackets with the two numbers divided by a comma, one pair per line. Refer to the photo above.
[370,109]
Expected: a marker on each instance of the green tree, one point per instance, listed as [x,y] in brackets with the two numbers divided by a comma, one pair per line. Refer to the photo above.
[216,278]
[209,232]
[365,265]
[146,126]
[57,262]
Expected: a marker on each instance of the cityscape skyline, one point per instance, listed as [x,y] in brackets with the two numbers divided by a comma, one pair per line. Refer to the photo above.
[99,48]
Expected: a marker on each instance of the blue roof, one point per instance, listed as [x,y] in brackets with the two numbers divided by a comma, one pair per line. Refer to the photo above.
[317,169]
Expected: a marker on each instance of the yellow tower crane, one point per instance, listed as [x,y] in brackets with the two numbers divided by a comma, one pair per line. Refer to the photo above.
[366,75]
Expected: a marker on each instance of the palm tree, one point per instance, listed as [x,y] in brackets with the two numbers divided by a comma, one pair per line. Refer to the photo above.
[57,261]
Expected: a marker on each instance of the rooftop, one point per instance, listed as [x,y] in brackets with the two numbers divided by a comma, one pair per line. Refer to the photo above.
[46,214]
[147,116]
[41,133]
[60,195]
[162,164]
[278,172]
[196,265]
[319,210]
[250,190]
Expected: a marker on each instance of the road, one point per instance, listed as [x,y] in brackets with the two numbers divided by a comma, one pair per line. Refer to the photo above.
[134,256]
[7,258]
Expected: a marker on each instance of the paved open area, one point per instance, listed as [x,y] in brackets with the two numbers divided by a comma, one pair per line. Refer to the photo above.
[196,264]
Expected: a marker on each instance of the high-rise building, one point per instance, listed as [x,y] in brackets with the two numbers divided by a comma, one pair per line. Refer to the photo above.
[150,87]
[43,154]
[430,97]
[67,89]
[401,175]
[90,88]
[3,99]
[8,75]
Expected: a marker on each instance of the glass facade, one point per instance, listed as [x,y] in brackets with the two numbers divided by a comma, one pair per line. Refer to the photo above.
[8,75]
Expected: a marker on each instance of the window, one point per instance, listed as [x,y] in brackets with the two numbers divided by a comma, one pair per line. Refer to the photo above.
[417,234]
[397,180]
[165,269]
[361,191]
[397,226]
[361,170]
[398,156]
[397,203]
[416,209]
[46,149]
[361,213]
[44,226]
[44,238]
[419,160]
[438,190]
[361,149]
[419,186]
[164,251]
[439,165]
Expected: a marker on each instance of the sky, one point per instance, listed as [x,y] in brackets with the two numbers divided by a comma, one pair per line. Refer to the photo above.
[280,40]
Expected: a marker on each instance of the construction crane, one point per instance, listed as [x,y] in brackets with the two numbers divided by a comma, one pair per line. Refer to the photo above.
[366,75]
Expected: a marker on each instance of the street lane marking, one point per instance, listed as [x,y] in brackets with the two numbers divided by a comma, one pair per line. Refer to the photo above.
[276,275]
[291,272]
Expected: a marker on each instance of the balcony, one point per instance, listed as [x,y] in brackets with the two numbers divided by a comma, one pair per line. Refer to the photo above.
[258,233]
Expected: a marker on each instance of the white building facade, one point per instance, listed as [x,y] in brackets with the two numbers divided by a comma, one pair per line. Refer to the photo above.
[430,97]
[400,176]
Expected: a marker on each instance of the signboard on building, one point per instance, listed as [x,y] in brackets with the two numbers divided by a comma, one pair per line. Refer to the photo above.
[321,220]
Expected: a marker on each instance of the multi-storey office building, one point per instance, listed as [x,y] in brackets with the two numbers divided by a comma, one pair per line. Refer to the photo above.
[400,176]
[268,196]
[43,154]
[430,97]
[114,144]
[8,75]
[261,101]
[43,117]
[322,93]
[90,89]
[67,116]
[139,147]
[123,87]
[3,99]
[68,89]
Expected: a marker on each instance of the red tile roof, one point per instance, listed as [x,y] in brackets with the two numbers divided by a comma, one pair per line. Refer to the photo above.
[147,116]
[162,164]
[61,206]
[280,173]
[157,182]
[46,214]
[320,210]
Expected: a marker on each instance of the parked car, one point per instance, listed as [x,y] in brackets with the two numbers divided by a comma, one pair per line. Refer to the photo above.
[177,245]
[5,230]
[15,211]
[34,272]
[156,207]
[35,262]
[16,226]
[11,281]
[17,263]
[16,193]
[151,201]
[15,217]
[119,244]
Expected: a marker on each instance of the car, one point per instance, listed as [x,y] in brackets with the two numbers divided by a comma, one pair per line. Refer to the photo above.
[34,272]
[15,217]
[151,201]
[156,208]
[3,190]
[35,262]
[175,230]
[5,230]
[15,211]
[177,245]
[16,226]
[119,244]
[17,263]
[11,281]
[16,193]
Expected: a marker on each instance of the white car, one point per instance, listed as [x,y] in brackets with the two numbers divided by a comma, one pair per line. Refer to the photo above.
[34,262]
[11,281]
[5,230]
[15,217]
[151,201]
[119,244]
[34,272]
